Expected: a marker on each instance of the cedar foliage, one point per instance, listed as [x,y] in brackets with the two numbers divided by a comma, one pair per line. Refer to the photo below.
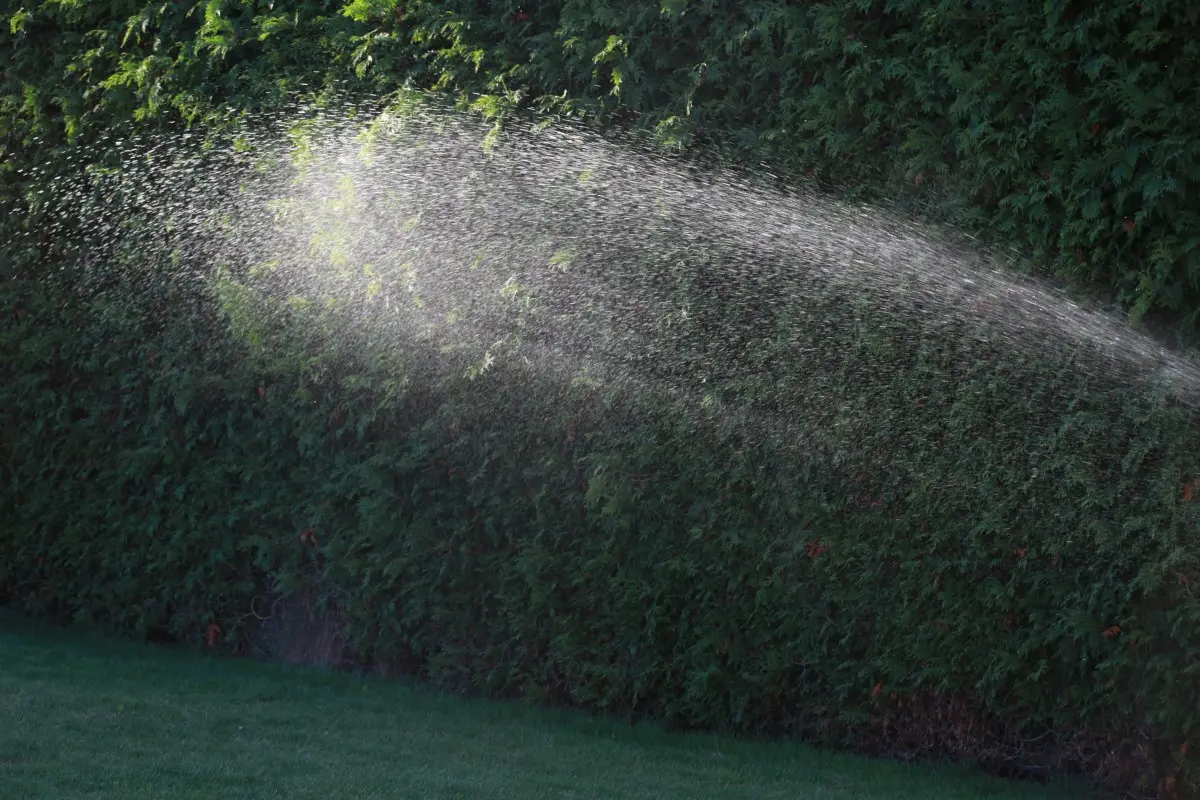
[1066,131]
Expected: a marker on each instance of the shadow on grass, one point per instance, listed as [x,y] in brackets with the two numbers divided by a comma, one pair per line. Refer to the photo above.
[85,716]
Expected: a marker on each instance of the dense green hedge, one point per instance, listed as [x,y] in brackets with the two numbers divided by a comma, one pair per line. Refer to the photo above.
[900,532]
[985,539]
[1066,132]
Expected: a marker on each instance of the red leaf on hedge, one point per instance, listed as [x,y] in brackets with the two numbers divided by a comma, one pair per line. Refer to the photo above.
[1095,127]
[1128,225]
[875,692]
[19,312]
[1022,552]
[308,537]
[870,501]
[1112,631]
[214,633]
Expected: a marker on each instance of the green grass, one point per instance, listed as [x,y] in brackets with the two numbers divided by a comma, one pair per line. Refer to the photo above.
[86,717]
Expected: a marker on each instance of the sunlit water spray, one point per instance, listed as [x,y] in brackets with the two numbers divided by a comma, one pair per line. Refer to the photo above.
[582,257]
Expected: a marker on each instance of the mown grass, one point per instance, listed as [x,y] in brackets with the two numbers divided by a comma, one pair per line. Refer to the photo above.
[82,716]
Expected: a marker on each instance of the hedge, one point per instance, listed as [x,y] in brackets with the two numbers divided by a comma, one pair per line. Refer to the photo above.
[1065,132]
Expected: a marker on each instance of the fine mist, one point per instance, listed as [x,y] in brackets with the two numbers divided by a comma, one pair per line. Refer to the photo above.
[571,255]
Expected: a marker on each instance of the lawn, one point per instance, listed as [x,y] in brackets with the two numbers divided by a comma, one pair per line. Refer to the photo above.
[85,717]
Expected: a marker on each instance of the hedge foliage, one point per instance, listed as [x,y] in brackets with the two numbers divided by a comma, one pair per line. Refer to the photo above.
[1064,130]
[744,543]
[875,528]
